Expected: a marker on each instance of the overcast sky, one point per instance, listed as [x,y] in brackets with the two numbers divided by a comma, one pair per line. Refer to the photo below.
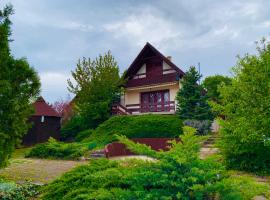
[54,34]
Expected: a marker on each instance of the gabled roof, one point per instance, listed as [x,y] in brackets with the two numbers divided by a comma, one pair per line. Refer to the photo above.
[43,109]
[135,65]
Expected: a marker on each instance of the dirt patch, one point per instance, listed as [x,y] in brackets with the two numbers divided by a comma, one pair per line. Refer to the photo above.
[39,171]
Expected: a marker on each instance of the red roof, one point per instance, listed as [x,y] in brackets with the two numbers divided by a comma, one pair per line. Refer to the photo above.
[43,109]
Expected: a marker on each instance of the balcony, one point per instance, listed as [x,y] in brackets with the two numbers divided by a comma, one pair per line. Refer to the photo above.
[149,80]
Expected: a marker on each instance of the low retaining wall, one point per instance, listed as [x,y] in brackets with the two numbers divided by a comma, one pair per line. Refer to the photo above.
[119,149]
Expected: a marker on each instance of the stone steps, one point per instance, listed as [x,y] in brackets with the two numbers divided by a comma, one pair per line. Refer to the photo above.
[97,154]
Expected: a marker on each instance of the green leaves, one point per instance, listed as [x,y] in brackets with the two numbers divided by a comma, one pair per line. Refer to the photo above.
[58,150]
[245,104]
[97,86]
[212,84]
[175,174]
[19,86]
[139,126]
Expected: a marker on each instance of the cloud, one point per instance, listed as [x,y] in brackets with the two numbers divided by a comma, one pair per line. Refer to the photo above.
[54,85]
[142,27]
[33,19]
[53,35]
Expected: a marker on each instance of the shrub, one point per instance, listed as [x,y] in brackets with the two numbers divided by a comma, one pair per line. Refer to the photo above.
[58,150]
[178,174]
[143,126]
[202,126]
[71,128]
[83,135]
[12,191]
[245,104]
[92,145]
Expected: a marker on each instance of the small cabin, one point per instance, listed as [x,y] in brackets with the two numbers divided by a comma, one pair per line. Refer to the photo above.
[153,81]
[46,123]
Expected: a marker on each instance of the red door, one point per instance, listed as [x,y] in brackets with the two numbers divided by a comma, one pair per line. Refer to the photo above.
[156,101]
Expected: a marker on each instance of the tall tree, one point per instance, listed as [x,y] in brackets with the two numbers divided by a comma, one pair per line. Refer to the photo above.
[212,84]
[191,98]
[97,87]
[19,86]
[246,105]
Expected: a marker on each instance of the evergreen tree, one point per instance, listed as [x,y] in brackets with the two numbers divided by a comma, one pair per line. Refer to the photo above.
[19,86]
[191,98]
[97,87]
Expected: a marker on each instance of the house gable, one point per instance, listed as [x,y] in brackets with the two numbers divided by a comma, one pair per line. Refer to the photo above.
[151,67]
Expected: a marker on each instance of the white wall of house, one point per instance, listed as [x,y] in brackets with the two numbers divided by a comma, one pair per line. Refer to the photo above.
[133,95]
[141,72]
[168,68]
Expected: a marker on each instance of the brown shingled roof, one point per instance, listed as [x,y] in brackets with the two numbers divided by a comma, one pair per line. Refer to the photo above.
[43,109]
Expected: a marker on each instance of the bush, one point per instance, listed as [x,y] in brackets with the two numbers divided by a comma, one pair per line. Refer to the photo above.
[71,128]
[176,174]
[12,191]
[202,126]
[245,104]
[83,135]
[143,126]
[58,150]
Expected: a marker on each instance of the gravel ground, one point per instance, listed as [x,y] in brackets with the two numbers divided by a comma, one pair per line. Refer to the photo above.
[38,171]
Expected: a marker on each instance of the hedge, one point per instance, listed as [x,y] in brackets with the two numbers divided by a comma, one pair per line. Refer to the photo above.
[140,126]
[58,150]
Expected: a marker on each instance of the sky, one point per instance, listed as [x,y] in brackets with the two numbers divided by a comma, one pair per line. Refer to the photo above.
[54,34]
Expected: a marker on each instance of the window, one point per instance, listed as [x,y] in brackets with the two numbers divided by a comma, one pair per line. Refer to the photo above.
[156,101]
[42,119]
[166,101]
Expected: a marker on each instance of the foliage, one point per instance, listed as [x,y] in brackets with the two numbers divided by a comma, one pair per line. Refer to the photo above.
[245,104]
[71,128]
[12,191]
[212,83]
[97,87]
[19,86]
[191,100]
[83,135]
[245,188]
[58,150]
[141,126]
[202,126]
[177,174]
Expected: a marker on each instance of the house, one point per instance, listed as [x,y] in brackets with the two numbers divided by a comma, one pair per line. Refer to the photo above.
[46,123]
[152,84]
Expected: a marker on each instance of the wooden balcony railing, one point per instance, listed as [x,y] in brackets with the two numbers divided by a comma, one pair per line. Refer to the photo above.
[155,79]
[118,109]
[156,107]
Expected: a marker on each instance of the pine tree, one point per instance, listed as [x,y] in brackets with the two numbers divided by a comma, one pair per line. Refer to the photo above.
[191,98]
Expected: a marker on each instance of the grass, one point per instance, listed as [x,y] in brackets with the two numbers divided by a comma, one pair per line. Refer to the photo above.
[20,152]
[249,185]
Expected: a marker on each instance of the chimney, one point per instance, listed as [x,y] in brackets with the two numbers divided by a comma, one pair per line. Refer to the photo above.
[169,58]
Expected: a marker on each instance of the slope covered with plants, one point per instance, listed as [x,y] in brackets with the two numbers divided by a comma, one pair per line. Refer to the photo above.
[142,126]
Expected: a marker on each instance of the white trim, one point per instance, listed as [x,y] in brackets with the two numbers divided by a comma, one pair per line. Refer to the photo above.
[152,86]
